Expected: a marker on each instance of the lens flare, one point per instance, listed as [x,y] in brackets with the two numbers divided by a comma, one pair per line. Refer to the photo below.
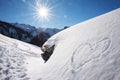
[42,11]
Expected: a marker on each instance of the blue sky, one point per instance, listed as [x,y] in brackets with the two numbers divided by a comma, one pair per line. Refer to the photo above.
[65,12]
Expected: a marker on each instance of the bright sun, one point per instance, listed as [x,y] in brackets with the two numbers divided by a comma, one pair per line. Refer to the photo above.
[42,10]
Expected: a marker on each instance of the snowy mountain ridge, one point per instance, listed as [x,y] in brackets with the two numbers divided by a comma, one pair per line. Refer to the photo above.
[26,27]
[34,31]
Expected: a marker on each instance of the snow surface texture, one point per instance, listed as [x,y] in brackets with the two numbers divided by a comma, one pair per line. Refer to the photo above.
[87,51]
[13,58]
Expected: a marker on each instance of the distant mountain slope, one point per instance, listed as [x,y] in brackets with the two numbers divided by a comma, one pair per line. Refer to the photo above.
[28,28]
[14,32]
[27,33]
[35,31]
[51,31]
[40,39]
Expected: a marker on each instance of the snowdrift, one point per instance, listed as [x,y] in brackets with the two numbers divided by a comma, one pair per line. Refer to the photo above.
[87,51]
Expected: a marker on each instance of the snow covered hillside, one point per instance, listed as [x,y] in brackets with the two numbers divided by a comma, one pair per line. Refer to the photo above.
[15,57]
[87,51]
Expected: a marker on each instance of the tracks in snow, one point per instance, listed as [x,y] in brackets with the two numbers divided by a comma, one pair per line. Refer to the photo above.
[90,51]
[12,60]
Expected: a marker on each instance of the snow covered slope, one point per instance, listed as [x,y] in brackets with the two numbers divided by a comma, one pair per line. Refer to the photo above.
[15,57]
[87,51]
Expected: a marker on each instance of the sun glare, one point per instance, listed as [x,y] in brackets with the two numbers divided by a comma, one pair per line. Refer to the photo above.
[42,10]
